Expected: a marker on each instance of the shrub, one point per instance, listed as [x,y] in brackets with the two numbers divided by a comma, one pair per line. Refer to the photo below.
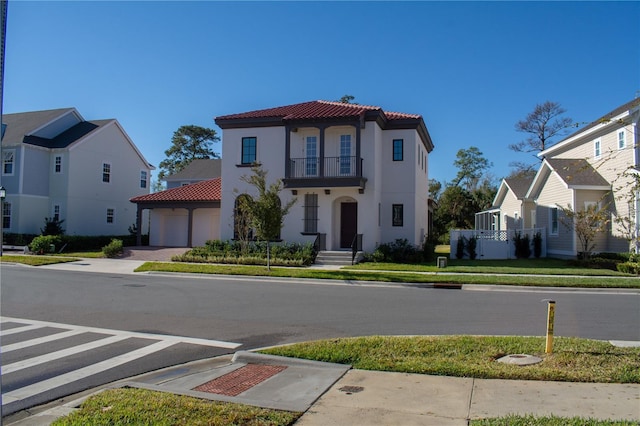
[253,253]
[629,267]
[537,245]
[471,247]
[460,247]
[522,245]
[429,250]
[113,249]
[52,226]
[43,244]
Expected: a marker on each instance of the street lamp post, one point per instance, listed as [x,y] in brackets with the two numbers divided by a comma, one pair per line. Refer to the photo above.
[3,193]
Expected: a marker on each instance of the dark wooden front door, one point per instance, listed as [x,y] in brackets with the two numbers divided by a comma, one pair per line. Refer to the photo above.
[348,223]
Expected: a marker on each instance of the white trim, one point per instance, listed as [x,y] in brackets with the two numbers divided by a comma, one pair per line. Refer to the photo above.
[102,164]
[13,162]
[55,157]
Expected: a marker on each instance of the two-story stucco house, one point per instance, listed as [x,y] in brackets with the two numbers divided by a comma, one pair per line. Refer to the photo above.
[56,164]
[597,165]
[355,170]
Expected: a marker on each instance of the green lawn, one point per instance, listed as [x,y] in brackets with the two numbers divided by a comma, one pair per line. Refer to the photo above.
[36,260]
[399,276]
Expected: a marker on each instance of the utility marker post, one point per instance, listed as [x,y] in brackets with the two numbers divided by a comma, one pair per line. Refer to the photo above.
[551,311]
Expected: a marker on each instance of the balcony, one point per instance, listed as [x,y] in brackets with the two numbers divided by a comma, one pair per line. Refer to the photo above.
[324,172]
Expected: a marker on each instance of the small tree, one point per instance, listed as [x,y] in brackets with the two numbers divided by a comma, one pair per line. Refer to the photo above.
[587,224]
[52,226]
[265,212]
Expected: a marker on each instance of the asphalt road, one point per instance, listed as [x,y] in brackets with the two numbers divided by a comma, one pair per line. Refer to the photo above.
[263,312]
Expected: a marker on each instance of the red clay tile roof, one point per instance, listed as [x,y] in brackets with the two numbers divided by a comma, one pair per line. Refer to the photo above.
[316,110]
[207,190]
[326,111]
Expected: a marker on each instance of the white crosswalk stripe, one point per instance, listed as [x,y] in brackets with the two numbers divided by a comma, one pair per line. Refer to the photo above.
[158,342]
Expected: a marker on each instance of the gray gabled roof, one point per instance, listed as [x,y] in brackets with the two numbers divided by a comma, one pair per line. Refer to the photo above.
[519,186]
[199,169]
[577,172]
[24,123]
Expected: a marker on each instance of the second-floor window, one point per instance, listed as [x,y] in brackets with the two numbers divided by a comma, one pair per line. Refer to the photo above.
[398,149]
[111,215]
[621,140]
[106,172]
[56,212]
[143,179]
[57,164]
[597,149]
[249,150]
[7,162]
[311,213]
[6,215]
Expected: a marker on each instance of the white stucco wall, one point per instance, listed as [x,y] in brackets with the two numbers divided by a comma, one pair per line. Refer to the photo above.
[89,197]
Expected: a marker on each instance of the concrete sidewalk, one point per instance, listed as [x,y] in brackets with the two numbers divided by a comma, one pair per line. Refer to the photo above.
[334,394]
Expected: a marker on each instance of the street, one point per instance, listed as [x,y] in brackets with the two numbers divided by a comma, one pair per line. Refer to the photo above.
[140,311]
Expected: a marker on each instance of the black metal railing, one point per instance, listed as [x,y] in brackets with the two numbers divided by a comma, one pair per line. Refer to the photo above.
[325,167]
[356,246]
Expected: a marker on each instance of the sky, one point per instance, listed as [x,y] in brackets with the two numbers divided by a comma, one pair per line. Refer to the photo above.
[471,69]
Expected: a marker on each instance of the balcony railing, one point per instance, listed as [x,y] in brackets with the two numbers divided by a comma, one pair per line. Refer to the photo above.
[329,167]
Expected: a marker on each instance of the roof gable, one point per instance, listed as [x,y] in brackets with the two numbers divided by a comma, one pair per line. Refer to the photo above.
[26,123]
[575,173]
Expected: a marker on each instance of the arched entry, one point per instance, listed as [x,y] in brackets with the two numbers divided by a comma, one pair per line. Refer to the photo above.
[348,222]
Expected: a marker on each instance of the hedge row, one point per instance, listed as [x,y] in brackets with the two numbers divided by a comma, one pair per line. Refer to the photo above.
[74,243]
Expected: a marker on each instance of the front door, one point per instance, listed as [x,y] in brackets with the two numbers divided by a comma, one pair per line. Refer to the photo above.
[348,223]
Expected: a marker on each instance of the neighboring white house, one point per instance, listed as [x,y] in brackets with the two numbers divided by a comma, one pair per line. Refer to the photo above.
[355,170]
[55,164]
[597,165]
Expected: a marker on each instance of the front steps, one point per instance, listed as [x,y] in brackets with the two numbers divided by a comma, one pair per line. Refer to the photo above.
[333,258]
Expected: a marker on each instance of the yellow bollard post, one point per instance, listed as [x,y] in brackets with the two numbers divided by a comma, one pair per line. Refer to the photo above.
[551,310]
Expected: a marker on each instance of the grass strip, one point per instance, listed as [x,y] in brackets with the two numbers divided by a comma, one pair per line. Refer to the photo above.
[36,260]
[394,276]
[515,420]
[573,359]
[143,407]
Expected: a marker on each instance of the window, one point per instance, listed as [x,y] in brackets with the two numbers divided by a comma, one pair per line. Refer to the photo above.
[311,213]
[57,164]
[111,213]
[249,150]
[397,214]
[106,172]
[7,162]
[345,154]
[397,149]
[621,140]
[56,212]
[311,168]
[596,149]
[553,220]
[143,178]
[6,215]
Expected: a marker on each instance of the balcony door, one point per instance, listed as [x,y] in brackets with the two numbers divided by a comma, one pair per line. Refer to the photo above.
[311,161]
[345,155]
[348,223]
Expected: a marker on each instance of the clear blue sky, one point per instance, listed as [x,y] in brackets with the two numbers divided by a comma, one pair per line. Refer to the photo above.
[471,69]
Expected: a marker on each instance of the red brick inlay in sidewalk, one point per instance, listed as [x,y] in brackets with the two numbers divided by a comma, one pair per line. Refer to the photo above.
[240,380]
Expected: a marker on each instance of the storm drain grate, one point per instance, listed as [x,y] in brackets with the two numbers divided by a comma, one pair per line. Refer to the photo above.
[240,380]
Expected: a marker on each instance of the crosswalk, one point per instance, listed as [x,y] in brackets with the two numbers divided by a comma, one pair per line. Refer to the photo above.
[30,340]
